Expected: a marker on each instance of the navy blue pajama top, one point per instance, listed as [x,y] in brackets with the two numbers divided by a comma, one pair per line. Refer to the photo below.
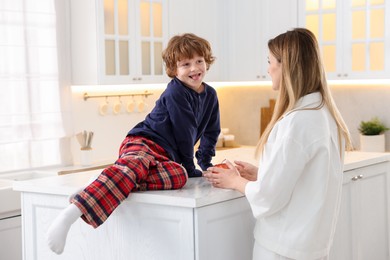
[179,119]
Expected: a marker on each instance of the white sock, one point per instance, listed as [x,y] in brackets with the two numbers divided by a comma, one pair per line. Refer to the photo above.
[58,230]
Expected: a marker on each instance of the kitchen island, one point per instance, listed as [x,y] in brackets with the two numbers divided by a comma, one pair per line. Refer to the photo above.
[197,222]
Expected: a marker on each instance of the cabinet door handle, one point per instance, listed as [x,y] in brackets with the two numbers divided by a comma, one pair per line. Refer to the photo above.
[358,177]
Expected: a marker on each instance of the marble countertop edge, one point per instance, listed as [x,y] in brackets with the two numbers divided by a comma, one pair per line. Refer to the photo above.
[196,193]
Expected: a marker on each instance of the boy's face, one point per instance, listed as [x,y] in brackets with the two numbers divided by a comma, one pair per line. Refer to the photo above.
[191,72]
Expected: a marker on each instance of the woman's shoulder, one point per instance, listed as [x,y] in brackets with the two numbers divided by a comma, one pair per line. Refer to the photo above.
[306,122]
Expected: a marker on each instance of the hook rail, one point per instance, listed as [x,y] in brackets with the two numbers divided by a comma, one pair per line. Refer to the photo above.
[145,94]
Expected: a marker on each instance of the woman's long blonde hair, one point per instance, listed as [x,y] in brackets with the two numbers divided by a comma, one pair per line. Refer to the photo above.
[302,73]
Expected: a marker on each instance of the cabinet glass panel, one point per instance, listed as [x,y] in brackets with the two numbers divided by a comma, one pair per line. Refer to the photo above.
[368,36]
[145,19]
[313,24]
[358,56]
[157,20]
[356,3]
[362,46]
[109,17]
[146,66]
[377,21]
[358,25]
[377,56]
[328,4]
[133,37]
[377,2]
[312,5]
[329,57]
[124,57]
[158,64]
[315,5]
[329,31]
[123,17]
[321,19]
[110,57]
[151,34]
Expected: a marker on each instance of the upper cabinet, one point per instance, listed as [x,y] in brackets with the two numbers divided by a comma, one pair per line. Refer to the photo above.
[201,17]
[248,25]
[118,41]
[121,41]
[352,36]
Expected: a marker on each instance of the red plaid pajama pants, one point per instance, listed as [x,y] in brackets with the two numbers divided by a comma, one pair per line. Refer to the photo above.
[142,165]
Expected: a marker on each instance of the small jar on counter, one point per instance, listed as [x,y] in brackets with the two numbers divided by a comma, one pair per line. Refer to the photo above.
[228,141]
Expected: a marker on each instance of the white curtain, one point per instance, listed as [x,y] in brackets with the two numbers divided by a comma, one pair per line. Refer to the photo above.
[32,131]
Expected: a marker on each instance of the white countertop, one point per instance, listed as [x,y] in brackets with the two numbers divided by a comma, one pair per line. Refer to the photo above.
[196,193]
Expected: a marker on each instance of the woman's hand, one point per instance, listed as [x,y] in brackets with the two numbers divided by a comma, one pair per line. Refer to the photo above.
[226,178]
[247,170]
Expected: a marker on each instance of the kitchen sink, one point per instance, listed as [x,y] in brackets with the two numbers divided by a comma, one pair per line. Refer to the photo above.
[4,184]
[24,176]
[10,199]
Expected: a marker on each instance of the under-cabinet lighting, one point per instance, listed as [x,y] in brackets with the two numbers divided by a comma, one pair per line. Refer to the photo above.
[240,83]
[111,89]
[217,84]
[359,82]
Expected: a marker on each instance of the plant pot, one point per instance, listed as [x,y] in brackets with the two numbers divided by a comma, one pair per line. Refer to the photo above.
[372,143]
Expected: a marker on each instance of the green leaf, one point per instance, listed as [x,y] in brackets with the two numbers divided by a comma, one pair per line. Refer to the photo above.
[372,127]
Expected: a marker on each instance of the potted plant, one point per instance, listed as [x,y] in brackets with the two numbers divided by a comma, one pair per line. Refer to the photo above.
[372,137]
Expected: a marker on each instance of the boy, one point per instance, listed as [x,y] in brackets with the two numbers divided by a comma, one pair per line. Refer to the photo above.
[158,153]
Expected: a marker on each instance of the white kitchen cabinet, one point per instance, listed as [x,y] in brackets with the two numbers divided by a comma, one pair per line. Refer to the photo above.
[144,231]
[237,30]
[117,41]
[11,238]
[353,36]
[363,228]
[196,222]
[221,225]
[249,25]
[104,52]
[201,17]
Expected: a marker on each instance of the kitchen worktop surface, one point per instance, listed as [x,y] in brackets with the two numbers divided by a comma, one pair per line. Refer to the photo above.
[196,193]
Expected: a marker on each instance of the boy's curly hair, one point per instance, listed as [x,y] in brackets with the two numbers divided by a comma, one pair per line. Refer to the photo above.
[185,46]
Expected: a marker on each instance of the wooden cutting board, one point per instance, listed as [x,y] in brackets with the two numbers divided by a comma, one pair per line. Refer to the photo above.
[266,115]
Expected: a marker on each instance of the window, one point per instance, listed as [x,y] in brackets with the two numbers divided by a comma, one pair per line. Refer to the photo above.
[32,132]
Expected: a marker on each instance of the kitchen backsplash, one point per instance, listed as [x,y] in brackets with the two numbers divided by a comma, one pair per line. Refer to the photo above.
[241,108]
[240,112]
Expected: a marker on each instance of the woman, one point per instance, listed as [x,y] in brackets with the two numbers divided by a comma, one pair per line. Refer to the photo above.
[295,192]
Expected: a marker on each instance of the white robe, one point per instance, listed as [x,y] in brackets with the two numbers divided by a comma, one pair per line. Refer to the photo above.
[297,196]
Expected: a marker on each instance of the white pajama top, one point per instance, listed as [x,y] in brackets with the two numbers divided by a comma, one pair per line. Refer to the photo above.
[297,195]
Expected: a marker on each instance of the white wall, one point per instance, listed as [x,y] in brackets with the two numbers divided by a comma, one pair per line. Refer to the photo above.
[361,103]
[109,130]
